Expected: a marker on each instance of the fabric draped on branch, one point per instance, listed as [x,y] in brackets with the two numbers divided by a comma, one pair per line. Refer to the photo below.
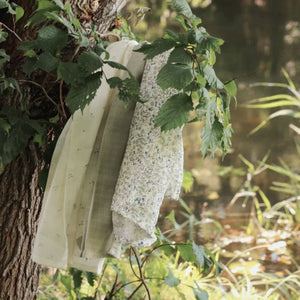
[110,171]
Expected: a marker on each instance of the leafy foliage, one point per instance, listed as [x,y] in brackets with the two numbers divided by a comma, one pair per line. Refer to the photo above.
[190,69]
[80,73]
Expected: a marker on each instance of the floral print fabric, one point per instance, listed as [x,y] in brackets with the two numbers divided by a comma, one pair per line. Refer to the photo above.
[152,168]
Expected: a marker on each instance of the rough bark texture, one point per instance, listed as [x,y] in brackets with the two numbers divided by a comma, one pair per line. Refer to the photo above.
[19,209]
[20,196]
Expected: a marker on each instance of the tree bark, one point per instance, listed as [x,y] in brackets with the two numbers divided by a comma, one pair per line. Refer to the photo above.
[20,195]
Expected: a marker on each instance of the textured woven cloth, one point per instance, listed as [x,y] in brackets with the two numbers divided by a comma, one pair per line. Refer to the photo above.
[152,168]
[75,227]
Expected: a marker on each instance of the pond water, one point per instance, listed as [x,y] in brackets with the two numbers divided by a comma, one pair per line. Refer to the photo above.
[261,37]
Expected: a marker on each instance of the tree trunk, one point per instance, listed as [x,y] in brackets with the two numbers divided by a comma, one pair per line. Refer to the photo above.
[20,196]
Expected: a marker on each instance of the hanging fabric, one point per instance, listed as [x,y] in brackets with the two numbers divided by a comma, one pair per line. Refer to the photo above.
[75,227]
[152,168]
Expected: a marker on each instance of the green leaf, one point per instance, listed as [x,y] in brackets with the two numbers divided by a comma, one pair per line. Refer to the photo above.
[177,76]
[114,82]
[47,62]
[130,90]
[207,42]
[212,78]
[231,88]
[5,58]
[4,4]
[115,65]
[89,61]
[66,281]
[174,112]
[171,280]
[91,277]
[29,66]
[27,45]
[12,83]
[30,53]
[51,39]
[182,7]
[3,35]
[201,80]
[185,38]
[19,13]
[60,4]
[188,181]
[211,137]
[82,94]
[199,293]
[201,256]
[44,6]
[69,72]
[187,253]
[77,277]
[180,55]
[158,46]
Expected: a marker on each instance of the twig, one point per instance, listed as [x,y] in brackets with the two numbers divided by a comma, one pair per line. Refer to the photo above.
[141,274]
[61,99]
[42,88]
[11,31]
[131,266]
[125,284]
[138,287]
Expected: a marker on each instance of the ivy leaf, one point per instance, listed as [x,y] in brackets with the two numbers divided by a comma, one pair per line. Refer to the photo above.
[211,137]
[5,57]
[89,61]
[44,6]
[212,78]
[19,13]
[174,112]
[171,280]
[51,39]
[47,62]
[16,141]
[180,55]
[29,65]
[175,75]
[69,72]
[3,35]
[158,46]
[82,94]
[182,7]
[231,88]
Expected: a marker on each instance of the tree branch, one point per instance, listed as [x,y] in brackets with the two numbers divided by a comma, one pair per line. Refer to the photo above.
[11,31]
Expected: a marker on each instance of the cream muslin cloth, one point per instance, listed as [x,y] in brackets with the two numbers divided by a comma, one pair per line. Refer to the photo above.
[75,227]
